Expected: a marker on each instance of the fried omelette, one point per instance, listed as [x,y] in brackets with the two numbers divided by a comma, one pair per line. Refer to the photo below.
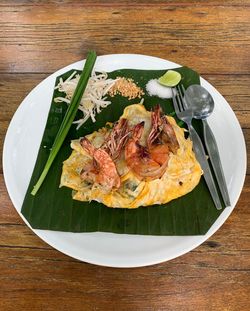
[148,162]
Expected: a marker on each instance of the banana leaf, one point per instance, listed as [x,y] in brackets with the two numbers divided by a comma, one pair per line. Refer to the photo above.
[53,208]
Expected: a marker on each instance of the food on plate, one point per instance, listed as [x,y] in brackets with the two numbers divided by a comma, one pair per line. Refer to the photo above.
[170,78]
[94,97]
[161,87]
[68,118]
[126,87]
[142,159]
[154,88]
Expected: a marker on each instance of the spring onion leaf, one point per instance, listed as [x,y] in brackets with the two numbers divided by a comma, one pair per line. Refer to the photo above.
[68,118]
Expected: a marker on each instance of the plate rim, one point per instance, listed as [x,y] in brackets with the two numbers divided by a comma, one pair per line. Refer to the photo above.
[40,233]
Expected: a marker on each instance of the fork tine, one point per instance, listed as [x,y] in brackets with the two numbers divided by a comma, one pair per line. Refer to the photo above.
[183,89]
[174,101]
[184,97]
[179,100]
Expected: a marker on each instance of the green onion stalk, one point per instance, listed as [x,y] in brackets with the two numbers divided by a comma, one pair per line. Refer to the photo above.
[68,118]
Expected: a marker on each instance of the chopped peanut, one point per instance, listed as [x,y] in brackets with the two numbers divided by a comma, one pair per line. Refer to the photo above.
[127,88]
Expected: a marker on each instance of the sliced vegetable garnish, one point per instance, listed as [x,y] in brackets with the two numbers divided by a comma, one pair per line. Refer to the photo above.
[68,118]
[171,78]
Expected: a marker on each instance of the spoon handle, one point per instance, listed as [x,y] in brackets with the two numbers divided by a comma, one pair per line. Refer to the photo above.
[201,157]
[213,153]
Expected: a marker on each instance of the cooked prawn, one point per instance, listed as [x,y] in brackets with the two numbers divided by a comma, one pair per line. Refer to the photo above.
[150,162]
[168,135]
[102,169]
[117,139]
[162,131]
[140,160]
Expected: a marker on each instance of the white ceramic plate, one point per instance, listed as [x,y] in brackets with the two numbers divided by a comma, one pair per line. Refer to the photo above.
[115,250]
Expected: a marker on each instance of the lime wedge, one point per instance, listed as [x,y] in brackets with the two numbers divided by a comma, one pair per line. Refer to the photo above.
[170,78]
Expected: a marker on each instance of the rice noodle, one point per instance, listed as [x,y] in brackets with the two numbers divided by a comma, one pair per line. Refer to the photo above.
[93,100]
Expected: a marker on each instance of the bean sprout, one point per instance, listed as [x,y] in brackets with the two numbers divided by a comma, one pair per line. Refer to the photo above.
[93,100]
